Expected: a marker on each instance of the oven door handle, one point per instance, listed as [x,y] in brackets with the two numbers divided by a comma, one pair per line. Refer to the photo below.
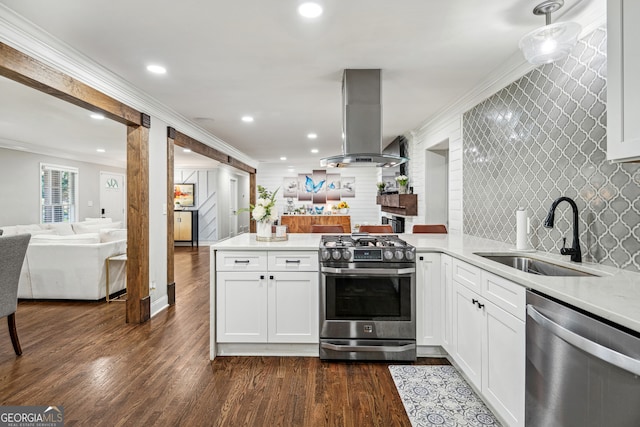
[369,271]
[370,348]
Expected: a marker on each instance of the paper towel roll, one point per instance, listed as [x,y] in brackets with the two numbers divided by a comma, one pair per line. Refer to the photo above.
[522,238]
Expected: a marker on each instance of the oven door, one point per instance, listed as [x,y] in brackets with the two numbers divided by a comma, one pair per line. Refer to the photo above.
[380,302]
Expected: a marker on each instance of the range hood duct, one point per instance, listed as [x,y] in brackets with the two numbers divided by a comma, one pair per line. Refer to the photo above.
[362,123]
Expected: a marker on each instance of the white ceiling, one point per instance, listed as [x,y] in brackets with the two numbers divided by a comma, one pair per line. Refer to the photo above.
[228,58]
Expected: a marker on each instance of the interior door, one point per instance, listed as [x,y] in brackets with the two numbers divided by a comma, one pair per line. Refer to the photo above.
[113,196]
[233,207]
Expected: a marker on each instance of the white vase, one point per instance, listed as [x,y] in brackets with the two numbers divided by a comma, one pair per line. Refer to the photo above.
[402,189]
[344,211]
[263,229]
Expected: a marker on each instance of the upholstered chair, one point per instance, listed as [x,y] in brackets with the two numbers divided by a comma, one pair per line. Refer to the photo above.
[429,228]
[376,229]
[12,252]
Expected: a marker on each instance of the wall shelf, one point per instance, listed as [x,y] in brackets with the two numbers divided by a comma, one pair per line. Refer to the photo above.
[399,204]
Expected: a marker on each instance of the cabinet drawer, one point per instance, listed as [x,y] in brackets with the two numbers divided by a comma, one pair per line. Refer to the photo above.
[505,294]
[293,261]
[241,261]
[467,275]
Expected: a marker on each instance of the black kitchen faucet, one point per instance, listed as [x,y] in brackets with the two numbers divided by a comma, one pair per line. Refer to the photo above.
[574,251]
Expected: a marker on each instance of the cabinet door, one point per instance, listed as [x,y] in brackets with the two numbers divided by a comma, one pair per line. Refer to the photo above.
[182,226]
[623,80]
[241,307]
[446,303]
[503,364]
[293,307]
[468,326]
[428,304]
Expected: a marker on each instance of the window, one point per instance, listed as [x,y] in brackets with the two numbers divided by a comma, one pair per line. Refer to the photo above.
[59,193]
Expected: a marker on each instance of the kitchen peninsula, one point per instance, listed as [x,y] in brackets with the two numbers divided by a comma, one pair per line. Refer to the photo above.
[302,223]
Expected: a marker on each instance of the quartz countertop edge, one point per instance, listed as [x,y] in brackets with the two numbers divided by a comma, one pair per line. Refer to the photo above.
[614,295]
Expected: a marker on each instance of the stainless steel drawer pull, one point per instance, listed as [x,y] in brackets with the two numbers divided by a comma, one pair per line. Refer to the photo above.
[241,261]
[374,348]
[598,351]
[293,261]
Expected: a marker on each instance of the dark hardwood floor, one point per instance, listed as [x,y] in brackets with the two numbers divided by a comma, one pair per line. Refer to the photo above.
[84,357]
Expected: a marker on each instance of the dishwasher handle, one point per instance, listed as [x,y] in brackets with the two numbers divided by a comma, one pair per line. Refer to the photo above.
[596,350]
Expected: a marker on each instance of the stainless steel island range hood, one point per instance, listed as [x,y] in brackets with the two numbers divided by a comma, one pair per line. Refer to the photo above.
[362,123]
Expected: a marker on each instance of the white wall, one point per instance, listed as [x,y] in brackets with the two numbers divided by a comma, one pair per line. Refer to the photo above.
[362,207]
[158,215]
[436,136]
[20,191]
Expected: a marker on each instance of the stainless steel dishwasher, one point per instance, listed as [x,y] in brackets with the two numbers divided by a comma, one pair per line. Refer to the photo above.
[581,371]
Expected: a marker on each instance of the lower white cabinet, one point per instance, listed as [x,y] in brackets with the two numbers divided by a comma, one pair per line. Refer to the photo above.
[293,307]
[489,339]
[428,304]
[446,303]
[276,305]
[468,327]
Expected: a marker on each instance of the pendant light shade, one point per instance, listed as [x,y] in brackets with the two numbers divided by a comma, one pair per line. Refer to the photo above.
[551,42]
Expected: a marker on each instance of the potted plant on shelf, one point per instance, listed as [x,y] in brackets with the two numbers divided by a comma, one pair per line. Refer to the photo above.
[343,207]
[402,181]
[381,186]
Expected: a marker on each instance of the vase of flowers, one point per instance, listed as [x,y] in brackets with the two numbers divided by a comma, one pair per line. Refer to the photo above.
[264,212]
[343,207]
[381,186]
[402,181]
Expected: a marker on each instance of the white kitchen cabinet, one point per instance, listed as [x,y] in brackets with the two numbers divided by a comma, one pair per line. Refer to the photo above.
[428,299]
[503,363]
[446,303]
[267,297]
[489,337]
[623,80]
[293,307]
[468,325]
[241,306]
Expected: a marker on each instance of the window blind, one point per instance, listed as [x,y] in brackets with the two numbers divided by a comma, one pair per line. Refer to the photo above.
[59,193]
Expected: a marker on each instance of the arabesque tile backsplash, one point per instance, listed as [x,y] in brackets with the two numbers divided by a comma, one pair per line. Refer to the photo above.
[542,137]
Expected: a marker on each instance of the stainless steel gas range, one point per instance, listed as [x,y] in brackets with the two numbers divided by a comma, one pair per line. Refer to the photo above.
[367,300]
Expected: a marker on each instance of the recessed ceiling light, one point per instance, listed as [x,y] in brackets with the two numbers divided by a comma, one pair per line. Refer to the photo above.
[310,9]
[314,151]
[156,69]
[97,116]
[101,150]
[283,158]
[186,150]
[312,135]
[247,119]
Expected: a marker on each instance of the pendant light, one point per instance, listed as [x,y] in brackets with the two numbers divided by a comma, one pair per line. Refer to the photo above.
[551,42]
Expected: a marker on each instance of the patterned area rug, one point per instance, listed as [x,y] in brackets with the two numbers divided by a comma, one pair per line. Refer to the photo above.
[439,396]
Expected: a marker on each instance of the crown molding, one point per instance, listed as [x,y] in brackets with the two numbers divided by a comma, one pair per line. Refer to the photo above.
[32,40]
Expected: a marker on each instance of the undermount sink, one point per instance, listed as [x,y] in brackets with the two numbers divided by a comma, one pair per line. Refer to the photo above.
[533,266]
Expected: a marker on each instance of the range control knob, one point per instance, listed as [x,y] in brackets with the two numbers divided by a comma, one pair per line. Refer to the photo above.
[409,255]
[325,255]
[399,254]
[346,254]
[388,254]
[336,254]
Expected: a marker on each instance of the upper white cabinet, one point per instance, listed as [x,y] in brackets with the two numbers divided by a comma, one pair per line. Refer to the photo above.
[623,80]
[428,301]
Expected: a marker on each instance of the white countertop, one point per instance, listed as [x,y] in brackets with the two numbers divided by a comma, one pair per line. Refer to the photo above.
[614,296]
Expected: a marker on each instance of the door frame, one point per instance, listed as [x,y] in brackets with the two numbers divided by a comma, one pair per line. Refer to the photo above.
[31,72]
